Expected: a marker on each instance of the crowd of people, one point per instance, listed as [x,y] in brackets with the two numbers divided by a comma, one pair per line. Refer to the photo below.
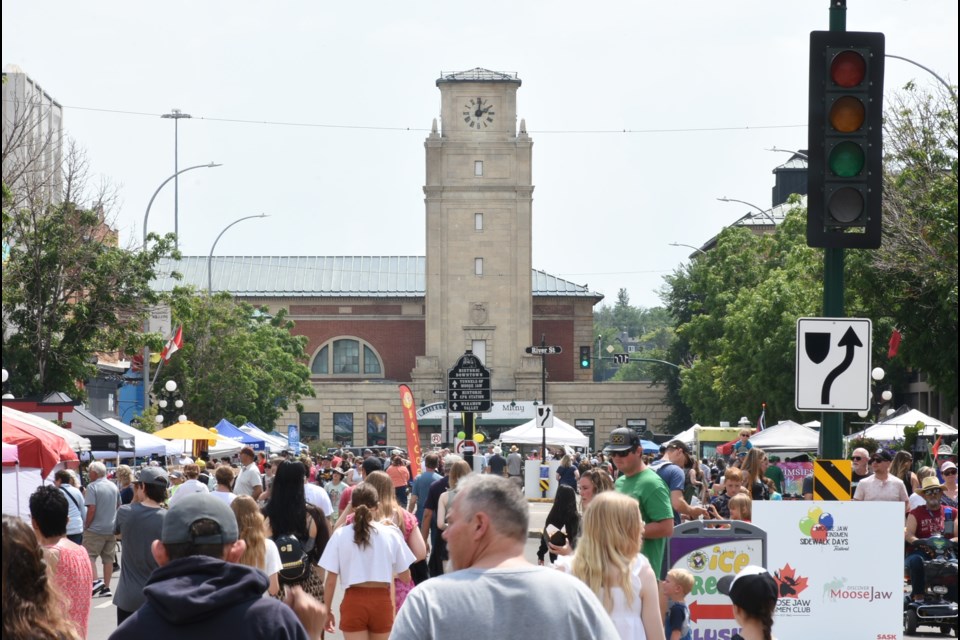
[256,547]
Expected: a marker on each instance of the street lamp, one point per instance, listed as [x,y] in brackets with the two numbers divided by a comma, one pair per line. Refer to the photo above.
[689,246]
[214,246]
[146,323]
[176,115]
[170,402]
[886,395]
[750,204]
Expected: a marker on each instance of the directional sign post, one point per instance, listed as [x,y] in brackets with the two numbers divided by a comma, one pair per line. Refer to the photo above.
[468,391]
[468,385]
[833,364]
[545,416]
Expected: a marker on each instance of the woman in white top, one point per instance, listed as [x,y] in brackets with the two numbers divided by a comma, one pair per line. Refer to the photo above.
[261,552]
[366,554]
[608,560]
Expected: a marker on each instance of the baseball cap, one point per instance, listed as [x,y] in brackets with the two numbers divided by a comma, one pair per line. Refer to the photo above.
[881,454]
[622,439]
[371,464]
[199,506]
[176,474]
[679,444]
[947,465]
[750,589]
[153,475]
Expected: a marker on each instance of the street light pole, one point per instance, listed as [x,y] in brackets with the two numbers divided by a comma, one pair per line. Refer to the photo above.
[689,246]
[176,115]
[146,323]
[750,204]
[214,246]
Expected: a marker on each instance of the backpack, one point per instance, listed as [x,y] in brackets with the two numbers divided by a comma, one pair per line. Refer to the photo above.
[294,562]
[295,556]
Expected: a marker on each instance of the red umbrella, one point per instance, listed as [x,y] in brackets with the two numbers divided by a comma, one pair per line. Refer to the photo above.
[37,448]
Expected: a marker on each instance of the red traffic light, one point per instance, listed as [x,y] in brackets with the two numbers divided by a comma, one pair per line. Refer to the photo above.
[848,69]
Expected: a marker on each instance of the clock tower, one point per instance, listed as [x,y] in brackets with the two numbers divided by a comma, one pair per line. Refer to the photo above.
[478,196]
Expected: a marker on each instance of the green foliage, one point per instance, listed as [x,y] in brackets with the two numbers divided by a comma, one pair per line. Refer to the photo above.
[69,293]
[237,362]
[913,279]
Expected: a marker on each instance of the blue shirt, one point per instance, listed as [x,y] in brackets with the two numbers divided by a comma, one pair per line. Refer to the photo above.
[674,477]
[421,489]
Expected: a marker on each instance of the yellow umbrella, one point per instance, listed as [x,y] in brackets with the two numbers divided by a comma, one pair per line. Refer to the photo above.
[187,430]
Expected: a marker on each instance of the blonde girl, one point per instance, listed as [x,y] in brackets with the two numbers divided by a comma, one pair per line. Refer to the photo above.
[261,552]
[741,507]
[609,562]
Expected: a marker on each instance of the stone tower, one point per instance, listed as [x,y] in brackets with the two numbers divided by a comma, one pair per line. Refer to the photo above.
[479,193]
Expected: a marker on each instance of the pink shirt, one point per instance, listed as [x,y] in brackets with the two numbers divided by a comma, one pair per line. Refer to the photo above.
[73,577]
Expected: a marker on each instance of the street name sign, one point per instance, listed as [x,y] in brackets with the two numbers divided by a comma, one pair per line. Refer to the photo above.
[468,385]
[544,351]
[833,364]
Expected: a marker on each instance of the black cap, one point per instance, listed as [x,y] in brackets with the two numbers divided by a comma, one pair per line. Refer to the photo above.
[622,439]
[751,589]
[881,454]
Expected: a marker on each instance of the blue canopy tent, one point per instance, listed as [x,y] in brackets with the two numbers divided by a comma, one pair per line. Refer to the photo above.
[228,430]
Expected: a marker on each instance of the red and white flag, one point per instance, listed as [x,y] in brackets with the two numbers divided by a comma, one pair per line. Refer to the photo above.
[173,345]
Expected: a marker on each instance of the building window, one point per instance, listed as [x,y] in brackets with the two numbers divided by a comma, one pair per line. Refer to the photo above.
[478,266]
[309,426]
[320,364]
[376,429]
[343,427]
[347,357]
[478,168]
[478,222]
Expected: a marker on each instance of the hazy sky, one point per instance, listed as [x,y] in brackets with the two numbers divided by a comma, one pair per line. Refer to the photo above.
[319,110]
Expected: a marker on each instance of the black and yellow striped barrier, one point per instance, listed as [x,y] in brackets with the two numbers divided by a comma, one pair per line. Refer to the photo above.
[832,479]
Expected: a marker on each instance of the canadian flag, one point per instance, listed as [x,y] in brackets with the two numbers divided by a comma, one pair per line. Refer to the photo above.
[173,345]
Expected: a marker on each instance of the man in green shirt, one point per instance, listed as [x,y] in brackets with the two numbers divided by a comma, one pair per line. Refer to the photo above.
[775,473]
[641,482]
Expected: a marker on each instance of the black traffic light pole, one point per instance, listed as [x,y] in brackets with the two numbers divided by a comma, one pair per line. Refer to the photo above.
[831,431]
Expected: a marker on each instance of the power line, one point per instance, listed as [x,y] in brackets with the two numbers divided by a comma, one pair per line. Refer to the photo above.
[319,125]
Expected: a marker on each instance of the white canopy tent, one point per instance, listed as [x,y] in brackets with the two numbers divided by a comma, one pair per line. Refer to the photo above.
[146,444]
[275,443]
[688,436]
[892,428]
[786,436]
[560,434]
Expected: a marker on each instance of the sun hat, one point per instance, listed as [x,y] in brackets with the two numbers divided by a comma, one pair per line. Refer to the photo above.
[930,482]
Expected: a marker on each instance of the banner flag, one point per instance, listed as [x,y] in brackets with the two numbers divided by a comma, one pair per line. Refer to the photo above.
[412,429]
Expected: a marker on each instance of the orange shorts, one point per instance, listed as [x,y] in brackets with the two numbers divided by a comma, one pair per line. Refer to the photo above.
[366,609]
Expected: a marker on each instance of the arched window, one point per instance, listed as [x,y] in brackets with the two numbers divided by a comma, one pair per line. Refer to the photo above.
[347,357]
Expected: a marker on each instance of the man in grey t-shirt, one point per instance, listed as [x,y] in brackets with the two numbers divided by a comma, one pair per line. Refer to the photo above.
[102,499]
[486,532]
[139,524]
[515,466]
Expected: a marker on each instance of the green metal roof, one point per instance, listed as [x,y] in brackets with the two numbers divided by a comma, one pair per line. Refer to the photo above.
[326,276]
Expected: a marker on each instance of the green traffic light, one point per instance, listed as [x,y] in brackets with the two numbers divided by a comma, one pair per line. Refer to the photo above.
[846,159]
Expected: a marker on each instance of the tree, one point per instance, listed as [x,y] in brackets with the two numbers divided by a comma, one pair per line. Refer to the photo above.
[913,276]
[237,362]
[69,292]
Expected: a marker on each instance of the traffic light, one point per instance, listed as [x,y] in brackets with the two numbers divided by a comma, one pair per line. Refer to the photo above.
[584,357]
[845,139]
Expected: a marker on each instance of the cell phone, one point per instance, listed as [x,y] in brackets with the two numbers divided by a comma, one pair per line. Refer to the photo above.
[555,536]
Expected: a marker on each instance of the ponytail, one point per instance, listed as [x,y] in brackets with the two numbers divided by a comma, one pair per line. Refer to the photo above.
[364,501]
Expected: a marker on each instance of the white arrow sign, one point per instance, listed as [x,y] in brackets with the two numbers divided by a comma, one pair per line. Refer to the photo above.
[545,416]
[833,364]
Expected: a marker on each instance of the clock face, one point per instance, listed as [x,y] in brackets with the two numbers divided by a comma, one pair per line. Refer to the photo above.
[478,113]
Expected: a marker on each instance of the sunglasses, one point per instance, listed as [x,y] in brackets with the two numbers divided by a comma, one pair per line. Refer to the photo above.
[950,472]
[621,454]
[857,458]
